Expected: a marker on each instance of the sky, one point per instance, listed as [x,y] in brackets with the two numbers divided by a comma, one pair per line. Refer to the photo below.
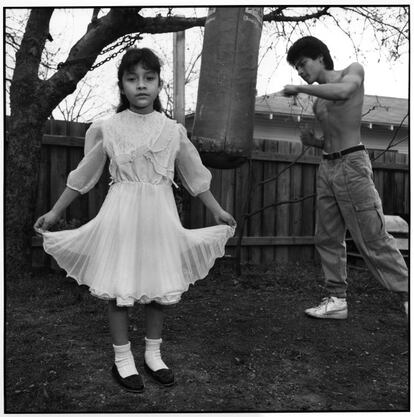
[382,77]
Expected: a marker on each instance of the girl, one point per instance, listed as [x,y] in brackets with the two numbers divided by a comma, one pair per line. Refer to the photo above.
[135,249]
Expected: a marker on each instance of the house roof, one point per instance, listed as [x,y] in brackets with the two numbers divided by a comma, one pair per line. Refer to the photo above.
[376,109]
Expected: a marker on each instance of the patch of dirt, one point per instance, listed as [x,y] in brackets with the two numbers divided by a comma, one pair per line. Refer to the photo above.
[235,344]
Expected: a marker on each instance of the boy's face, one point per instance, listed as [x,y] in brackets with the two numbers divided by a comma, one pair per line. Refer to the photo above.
[309,69]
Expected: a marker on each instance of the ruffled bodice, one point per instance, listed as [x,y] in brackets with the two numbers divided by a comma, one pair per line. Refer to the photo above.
[141,148]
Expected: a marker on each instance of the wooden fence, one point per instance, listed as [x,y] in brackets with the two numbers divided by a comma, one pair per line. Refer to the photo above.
[285,233]
[277,234]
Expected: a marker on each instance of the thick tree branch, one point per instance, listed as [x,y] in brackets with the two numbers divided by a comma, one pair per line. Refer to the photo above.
[168,24]
[28,58]
[30,52]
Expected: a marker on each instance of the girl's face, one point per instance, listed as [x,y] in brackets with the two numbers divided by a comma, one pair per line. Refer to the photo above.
[141,87]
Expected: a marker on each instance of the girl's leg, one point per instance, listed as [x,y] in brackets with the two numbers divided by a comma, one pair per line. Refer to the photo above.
[154,320]
[118,323]
[118,326]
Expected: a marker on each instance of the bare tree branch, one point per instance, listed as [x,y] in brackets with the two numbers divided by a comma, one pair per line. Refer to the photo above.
[191,68]
[372,17]
[278,16]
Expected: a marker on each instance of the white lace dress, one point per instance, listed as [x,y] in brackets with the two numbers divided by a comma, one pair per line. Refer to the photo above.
[135,249]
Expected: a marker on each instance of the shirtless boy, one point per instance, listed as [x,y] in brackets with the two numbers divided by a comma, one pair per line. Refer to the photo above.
[346,194]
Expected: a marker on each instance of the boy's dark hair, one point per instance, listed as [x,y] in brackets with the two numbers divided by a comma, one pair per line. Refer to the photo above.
[309,47]
[149,61]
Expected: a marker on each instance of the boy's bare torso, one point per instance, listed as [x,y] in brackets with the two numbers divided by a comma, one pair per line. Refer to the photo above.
[340,120]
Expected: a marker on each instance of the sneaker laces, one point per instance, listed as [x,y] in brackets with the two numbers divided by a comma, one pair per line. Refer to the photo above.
[325,301]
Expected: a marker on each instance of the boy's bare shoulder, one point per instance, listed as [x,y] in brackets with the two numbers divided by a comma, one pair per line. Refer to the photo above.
[354,68]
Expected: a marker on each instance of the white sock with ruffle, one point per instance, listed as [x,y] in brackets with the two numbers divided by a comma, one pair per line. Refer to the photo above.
[124,360]
[153,354]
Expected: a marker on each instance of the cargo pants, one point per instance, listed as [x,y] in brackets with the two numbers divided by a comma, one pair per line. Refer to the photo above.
[347,199]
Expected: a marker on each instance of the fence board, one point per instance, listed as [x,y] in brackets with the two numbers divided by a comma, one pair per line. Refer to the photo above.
[296,210]
[256,203]
[43,185]
[282,212]
[228,195]
[406,191]
[388,191]
[269,197]
[398,181]
[79,208]
[227,189]
[58,173]
[309,205]
[196,213]
[241,185]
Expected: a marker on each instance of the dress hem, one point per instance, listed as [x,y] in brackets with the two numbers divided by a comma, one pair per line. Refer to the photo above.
[144,299]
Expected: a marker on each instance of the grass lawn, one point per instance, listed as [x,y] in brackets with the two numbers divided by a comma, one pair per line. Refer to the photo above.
[234,343]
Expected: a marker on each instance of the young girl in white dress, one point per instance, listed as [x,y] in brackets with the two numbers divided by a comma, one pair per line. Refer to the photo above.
[135,249]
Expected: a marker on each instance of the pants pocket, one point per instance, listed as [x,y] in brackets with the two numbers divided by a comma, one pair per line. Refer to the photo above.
[371,220]
[360,163]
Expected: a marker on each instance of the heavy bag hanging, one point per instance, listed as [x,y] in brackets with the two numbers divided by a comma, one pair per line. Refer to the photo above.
[223,125]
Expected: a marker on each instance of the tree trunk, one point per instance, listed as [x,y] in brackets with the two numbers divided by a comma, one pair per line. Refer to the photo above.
[22,167]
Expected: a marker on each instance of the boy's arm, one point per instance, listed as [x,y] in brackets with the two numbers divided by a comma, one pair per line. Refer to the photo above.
[342,90]
[308,138]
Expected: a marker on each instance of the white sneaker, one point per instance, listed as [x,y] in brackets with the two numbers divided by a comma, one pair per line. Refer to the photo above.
[330,308]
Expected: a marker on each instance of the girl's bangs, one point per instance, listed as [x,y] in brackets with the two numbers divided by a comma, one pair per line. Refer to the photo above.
[147,59]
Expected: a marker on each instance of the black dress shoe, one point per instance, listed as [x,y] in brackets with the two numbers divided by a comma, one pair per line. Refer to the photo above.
[163,376]
[132,383]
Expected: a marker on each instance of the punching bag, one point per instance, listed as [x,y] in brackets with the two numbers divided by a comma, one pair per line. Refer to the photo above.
[223,124]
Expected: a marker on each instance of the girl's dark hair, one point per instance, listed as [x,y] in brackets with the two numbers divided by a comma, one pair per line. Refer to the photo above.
[149,61]
[309,47]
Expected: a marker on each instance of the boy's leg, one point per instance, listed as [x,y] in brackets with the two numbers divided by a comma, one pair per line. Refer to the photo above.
[330,236]
[365,220]
[330,243]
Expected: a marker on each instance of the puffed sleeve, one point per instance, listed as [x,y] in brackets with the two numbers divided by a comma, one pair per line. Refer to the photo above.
[195,177]
[90,168]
